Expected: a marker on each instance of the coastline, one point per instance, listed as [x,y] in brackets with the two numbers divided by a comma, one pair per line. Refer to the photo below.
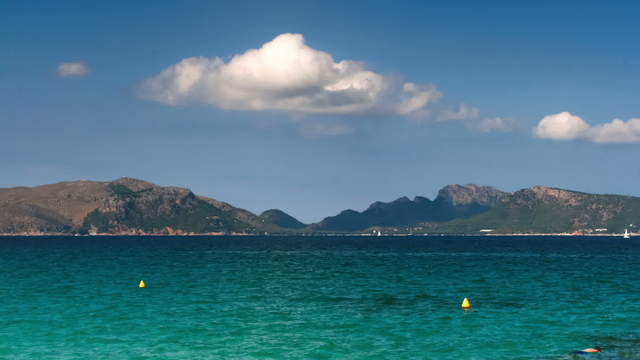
[313,235]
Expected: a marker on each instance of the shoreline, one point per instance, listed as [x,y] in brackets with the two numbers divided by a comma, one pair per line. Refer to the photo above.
[315,235]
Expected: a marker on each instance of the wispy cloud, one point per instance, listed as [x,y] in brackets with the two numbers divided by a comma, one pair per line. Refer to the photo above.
[470,116]
[490,125]
[463,112]
[566,126]
[72,69]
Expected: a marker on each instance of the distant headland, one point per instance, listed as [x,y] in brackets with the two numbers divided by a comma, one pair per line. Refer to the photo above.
[130,206]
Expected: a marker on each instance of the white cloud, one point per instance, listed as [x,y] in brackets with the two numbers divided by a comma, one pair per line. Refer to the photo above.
[561,126]
[414,98]
[72,69]
[566,126]
[616,131]
[287,75]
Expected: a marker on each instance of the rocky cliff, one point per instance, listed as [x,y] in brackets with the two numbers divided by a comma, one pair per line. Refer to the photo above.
[471,194]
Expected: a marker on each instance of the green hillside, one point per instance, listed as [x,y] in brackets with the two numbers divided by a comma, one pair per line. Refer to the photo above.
[549,210]
[123,206]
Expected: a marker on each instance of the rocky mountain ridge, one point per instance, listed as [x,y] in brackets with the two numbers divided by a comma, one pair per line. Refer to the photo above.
[542,209]
[132,206]
[471,194]
[452,202]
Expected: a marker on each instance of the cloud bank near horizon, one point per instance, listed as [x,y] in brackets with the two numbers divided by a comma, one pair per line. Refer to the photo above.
[287,75]
[566,126]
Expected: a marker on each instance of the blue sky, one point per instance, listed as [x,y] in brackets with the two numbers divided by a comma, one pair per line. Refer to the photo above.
[542,83]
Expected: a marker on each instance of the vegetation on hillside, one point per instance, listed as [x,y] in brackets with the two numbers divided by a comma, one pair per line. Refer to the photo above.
[135,206]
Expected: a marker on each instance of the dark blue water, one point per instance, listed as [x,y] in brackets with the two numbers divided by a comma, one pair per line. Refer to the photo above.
[318,298]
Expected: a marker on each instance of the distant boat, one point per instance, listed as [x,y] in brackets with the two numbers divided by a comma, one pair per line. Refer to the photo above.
[379,233]
[626,234]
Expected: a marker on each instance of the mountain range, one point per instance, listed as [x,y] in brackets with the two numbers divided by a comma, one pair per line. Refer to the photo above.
[132,206]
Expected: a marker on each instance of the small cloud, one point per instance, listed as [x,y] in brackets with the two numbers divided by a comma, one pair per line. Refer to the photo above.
[566,126]
[561,126]
[473,121]
[414,98]
[617,131]
[72,69]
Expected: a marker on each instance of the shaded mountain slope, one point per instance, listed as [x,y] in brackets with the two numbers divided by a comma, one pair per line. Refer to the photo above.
[453,201]
[281,219]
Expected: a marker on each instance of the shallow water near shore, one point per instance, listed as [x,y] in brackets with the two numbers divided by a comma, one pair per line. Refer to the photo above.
[318,297]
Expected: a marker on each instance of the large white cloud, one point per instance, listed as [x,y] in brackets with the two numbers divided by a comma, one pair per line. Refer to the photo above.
[287,75]
[72,69]
[566,126]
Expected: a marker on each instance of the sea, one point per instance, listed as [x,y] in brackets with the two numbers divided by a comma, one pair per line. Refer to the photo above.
[268,297]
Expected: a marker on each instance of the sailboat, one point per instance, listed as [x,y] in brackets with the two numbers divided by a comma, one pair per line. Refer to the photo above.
[626,234]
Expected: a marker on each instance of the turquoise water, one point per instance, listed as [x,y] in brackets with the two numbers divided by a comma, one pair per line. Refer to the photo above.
[318,298]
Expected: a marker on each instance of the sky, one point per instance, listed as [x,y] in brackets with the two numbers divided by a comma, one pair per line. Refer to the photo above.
[314,107]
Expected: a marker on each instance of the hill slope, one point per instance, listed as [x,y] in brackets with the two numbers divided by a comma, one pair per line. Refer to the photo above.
[281,219]
[131,206]
[122,206]
[549,210]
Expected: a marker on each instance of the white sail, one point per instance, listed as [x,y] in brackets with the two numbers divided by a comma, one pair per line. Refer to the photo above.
[626,234]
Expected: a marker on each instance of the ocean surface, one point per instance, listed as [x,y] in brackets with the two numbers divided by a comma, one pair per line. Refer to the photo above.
[318,297]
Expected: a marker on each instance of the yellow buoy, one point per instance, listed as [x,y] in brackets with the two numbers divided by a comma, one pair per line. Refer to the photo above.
[141,284]
[466,304]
